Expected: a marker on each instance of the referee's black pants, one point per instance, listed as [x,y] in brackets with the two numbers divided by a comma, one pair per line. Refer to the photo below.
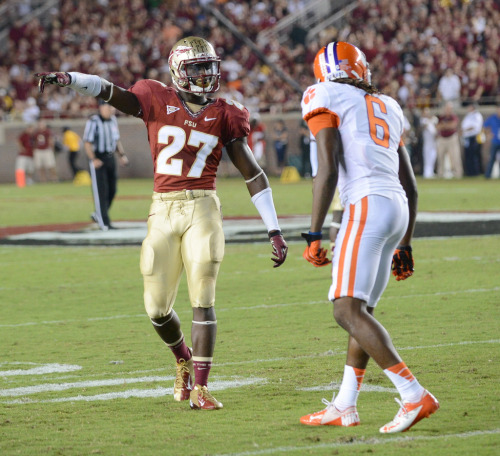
[103,187]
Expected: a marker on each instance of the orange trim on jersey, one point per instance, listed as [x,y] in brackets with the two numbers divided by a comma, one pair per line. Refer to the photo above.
[401,143]
[357,242]
[321,118]
[402,370]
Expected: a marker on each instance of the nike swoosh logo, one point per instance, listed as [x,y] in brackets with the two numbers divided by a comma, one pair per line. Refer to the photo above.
[208,119]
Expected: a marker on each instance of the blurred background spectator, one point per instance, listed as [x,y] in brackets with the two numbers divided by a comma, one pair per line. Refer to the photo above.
[428,123]
[449,157]
[471,129]
[257,139]
[73,143]
[43,152]
[492,127]
[280,141]
[25,166]
[422,52]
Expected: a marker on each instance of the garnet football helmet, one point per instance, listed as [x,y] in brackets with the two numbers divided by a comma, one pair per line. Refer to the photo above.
[341,60]
[194,66]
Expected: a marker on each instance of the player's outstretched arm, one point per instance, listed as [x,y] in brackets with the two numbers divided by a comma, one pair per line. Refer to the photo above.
[94,86]
[260,191]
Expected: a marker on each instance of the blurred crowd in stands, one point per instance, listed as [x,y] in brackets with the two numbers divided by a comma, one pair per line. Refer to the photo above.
[422,52]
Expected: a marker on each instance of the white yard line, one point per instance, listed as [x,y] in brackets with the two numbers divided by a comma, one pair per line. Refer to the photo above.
[359,442]
[215,385]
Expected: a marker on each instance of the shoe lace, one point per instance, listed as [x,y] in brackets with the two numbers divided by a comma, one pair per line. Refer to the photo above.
[402,409]
[328,403]
[207,395]
[182,368]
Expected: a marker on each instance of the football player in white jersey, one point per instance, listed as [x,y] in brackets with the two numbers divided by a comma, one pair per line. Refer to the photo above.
[358,134]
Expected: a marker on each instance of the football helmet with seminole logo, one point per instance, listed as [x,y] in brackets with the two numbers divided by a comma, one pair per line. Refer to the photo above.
[194,66]
[341,60]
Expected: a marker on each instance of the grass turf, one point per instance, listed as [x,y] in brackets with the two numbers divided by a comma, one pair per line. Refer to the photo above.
[277,340]
[82,372]
[66,203]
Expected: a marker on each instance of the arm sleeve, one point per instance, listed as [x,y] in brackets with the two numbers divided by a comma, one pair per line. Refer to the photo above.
[237,123]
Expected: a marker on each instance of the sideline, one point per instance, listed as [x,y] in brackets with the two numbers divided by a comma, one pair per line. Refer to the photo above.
[237,229]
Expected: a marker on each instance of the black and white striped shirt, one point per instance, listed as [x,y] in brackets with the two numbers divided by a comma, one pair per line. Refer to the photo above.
[102,133]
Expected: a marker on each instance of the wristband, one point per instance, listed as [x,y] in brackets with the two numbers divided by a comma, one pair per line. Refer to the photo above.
[271,234]
[85,84]
[263,201]
[110,93]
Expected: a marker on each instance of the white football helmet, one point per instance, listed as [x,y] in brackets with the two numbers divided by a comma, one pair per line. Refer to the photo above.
[194,66]
[341,60]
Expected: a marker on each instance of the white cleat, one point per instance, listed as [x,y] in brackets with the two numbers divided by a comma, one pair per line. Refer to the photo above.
[411,413]
[331,416]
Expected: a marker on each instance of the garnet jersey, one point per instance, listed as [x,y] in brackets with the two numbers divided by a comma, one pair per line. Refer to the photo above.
[27,142]
[370,126]
[186,147]
[42,139]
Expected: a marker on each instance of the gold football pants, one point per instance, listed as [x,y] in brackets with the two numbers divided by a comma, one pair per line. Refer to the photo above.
[184,232]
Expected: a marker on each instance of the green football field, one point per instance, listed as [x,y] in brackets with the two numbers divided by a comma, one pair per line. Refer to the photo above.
[66,203]
[82,371]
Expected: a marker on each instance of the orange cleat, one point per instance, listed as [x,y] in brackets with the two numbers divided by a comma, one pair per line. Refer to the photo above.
[411,413]
[331,416]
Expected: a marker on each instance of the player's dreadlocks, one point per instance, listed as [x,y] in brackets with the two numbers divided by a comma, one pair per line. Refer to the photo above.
[360,84]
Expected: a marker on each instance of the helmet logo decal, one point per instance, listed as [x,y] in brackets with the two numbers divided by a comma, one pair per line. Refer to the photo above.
[344,65]
[182,49]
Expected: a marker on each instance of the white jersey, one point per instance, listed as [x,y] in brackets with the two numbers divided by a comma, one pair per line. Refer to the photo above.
[370,126]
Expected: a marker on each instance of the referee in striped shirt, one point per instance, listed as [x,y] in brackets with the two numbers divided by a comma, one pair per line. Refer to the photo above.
[101,141]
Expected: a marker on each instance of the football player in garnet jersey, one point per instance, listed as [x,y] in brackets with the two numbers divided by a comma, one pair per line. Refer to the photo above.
[186,131]
[358,134]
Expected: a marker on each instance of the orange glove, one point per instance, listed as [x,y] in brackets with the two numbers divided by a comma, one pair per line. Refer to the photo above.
[313,252]
[402,262]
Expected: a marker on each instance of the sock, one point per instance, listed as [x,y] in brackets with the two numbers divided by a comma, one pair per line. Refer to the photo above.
[406,384]
[202,368]
[349,389]
[180,350]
